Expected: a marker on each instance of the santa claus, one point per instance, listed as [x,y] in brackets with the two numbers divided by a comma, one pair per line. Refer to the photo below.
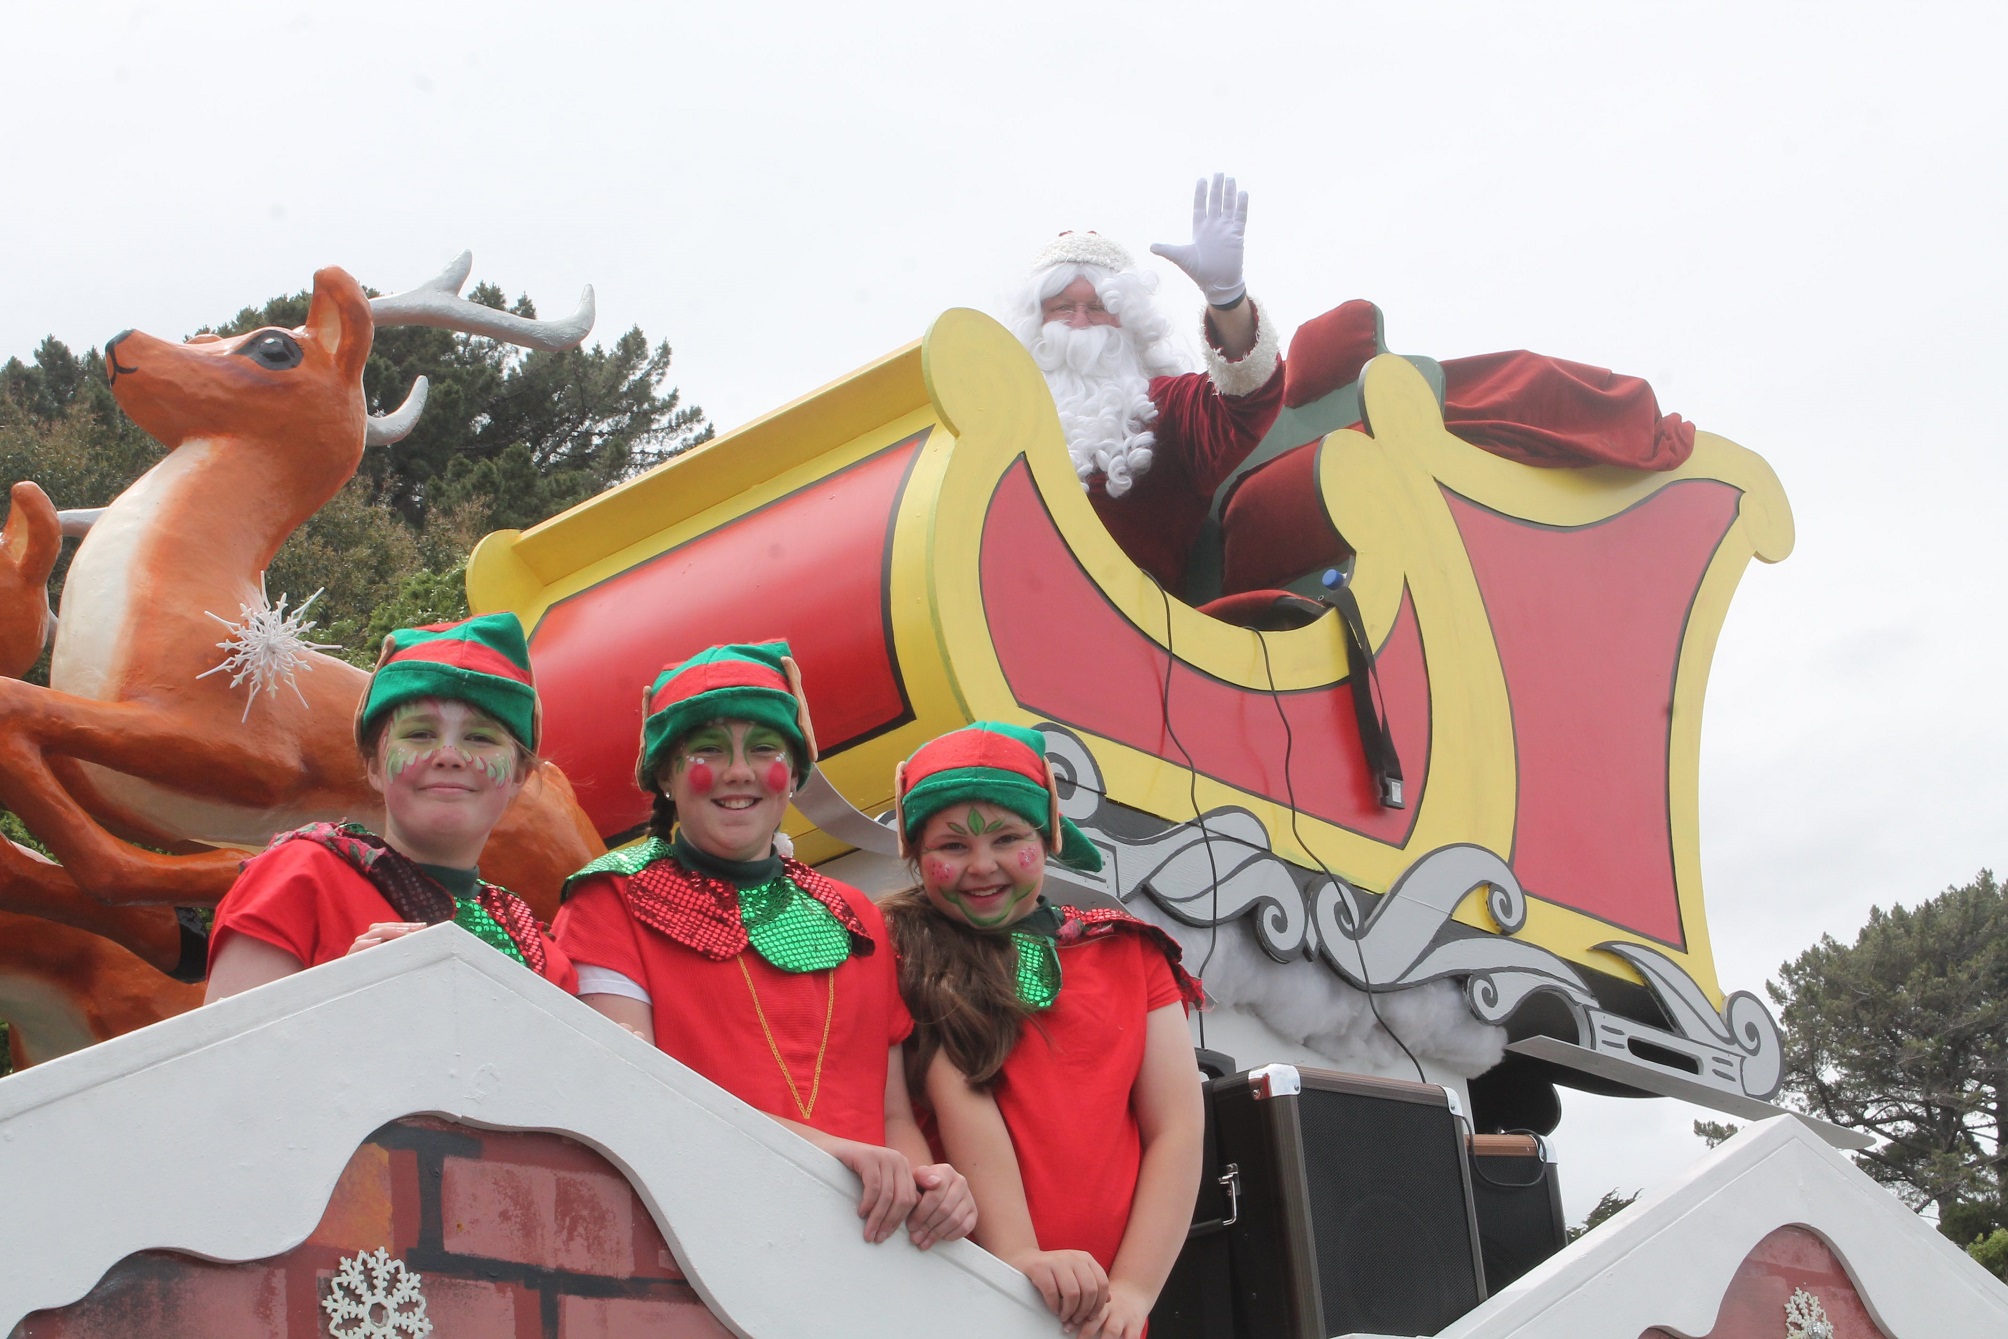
[1151,440]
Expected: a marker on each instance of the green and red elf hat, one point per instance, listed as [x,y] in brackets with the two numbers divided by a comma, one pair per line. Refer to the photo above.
[746,681]
[989,761]
[483,662]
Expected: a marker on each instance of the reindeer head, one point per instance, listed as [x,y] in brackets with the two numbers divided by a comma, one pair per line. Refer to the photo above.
[303,388]
[306,383]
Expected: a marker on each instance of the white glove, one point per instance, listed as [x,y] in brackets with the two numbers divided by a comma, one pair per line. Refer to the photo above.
[1213,258]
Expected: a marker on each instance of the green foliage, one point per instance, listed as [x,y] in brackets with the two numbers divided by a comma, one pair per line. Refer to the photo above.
[1613,1202]
[1714,1132]
[1904,1033]
[13,829]
[56,382]
[1992,1252]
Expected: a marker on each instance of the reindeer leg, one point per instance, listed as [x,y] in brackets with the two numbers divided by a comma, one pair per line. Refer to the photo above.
[62,989]
[114,872]
[141,740]
[28,548]
[33,885]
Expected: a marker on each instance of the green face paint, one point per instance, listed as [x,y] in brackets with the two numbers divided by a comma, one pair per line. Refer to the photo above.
[419,732]
[984,870]
[976,826]
[712,747]
[709,738]
[764,741]
[1013,908]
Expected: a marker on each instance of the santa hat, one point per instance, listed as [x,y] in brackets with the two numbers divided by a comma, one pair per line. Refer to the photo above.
[1082,248]
[752,681]
[483,662]
[1004,765]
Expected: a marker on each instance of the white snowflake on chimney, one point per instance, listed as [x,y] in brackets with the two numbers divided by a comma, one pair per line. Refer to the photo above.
[374,1297]
[1805,1318]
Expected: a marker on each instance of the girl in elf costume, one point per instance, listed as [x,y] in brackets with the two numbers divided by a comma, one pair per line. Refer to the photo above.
[768,978]
[448,732]
[1050,1042]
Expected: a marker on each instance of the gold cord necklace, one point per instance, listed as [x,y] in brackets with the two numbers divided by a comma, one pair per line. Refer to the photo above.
[829,1014]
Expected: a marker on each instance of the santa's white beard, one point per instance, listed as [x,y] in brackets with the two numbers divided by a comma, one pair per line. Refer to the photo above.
[1102,392]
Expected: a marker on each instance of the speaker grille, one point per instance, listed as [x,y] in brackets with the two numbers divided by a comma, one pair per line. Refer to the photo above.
[1387,1199]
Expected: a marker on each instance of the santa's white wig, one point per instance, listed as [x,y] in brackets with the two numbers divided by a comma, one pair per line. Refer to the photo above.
[1100,375]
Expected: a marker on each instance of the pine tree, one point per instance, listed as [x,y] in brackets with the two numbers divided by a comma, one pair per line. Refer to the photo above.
[1904,1034]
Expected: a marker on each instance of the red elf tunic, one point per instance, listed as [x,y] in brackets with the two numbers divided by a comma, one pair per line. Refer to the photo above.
[1065,1091]
[724,1010]
[302,898]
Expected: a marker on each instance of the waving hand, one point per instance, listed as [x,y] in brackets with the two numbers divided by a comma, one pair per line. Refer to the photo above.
[1213,258]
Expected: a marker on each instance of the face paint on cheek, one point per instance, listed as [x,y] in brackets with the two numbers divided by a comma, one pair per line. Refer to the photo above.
[496,764]
[399,756]
[777,776]
[1026,857]
[939,873]
[700,776]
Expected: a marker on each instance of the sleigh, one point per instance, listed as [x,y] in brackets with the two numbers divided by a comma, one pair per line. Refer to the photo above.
[1541,640]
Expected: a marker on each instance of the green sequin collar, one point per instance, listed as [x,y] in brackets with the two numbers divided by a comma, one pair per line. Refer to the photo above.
[471,916]
[790,929]
[1037,975]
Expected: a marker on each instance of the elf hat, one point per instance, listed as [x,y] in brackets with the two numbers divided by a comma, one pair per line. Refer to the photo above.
[483,662]
[748,681]
[1002,764]
[1082,248]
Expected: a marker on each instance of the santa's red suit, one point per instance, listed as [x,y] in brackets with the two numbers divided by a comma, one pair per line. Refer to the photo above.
[1207,423]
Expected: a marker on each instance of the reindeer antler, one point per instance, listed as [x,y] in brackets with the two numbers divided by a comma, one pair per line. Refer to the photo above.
[385,429]
[437,302]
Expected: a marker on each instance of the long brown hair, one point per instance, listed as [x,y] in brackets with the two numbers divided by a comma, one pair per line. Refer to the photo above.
[961,985]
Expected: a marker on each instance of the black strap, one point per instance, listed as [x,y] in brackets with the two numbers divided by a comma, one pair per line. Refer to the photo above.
[193,963]
[1376,740]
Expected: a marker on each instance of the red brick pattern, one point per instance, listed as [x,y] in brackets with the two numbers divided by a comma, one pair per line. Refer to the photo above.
[1753,1306]
[515,1236]
[616,1317]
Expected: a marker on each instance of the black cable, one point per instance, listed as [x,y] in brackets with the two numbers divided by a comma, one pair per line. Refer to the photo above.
[1192,780]
[1290,792]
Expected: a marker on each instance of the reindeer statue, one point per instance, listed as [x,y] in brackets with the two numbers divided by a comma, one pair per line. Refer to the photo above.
[138,743]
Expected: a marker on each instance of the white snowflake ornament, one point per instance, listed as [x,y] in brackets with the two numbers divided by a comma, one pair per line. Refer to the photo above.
[1805,1318]
[267,646]
[374,1297]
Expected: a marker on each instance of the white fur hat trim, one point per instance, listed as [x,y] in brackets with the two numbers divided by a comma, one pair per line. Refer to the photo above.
[1083,248]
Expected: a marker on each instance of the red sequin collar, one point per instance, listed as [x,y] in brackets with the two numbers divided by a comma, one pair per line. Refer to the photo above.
[1083,923]
[702,913]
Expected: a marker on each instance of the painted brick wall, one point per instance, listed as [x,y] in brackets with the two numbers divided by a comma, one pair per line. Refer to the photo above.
[514,1236]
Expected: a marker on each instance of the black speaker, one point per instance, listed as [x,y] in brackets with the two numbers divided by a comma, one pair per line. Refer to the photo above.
[1355,1205]
[1518,1199]
[1197,1300]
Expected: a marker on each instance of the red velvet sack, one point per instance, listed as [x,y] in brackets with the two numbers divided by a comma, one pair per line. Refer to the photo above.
[1552,412]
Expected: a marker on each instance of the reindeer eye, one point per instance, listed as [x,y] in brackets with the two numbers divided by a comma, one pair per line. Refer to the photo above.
[272,348]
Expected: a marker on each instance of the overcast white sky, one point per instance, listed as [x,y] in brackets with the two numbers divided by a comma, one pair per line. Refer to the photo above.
[1787,217]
